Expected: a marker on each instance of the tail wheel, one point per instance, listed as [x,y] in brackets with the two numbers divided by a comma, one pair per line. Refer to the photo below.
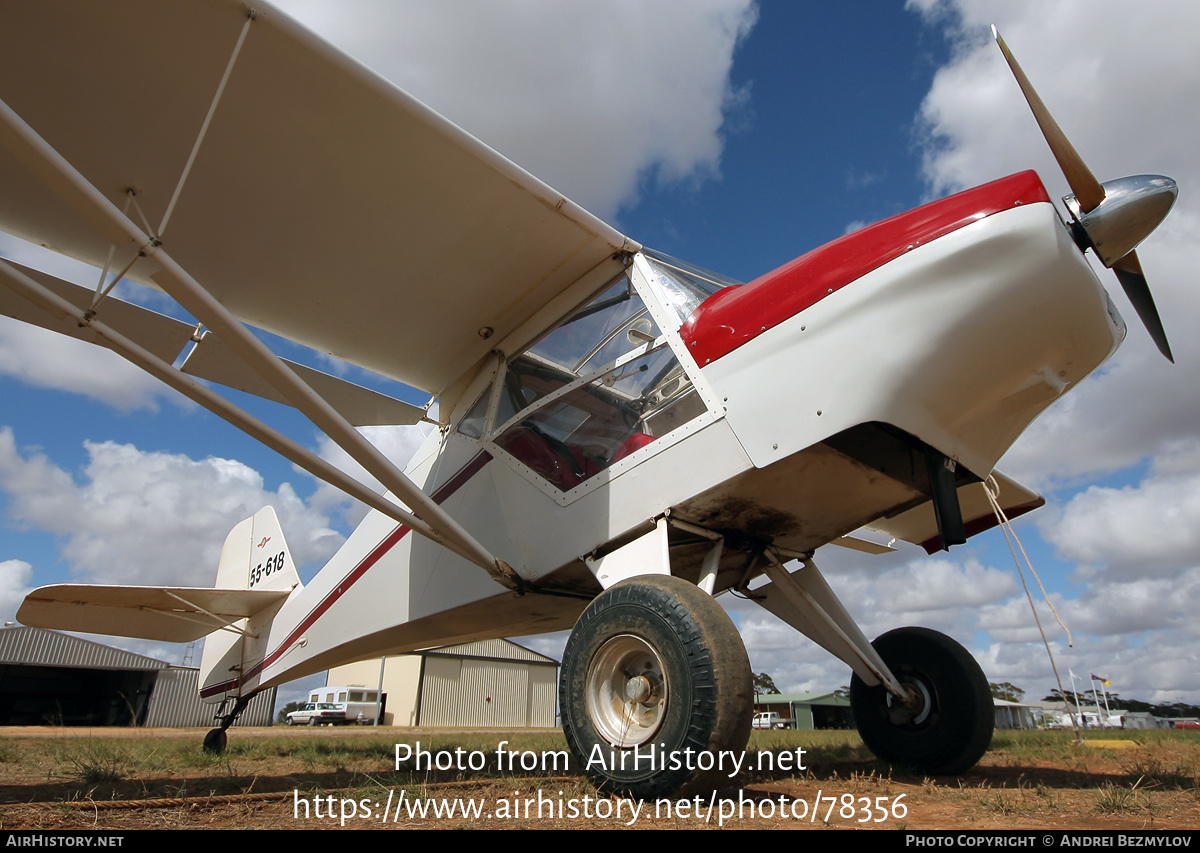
[214,741]
[654,674]
[947,722]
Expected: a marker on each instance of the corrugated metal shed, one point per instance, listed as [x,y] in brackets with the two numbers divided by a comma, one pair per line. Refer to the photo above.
[491,650]
[50,677]
[488,683]
[176,703]
[808,710]
[39,647]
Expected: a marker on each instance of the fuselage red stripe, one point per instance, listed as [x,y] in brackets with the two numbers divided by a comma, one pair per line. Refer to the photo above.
[735,315]
[441,494]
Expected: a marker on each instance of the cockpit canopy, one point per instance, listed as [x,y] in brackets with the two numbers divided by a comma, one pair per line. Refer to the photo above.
[600,385]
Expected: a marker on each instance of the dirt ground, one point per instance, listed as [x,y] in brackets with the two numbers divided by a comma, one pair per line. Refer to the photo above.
[330,779]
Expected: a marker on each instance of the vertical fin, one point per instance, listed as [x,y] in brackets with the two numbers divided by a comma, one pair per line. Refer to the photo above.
[254,556]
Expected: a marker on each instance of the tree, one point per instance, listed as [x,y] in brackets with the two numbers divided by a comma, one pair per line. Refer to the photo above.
[763,683]
[1006,691]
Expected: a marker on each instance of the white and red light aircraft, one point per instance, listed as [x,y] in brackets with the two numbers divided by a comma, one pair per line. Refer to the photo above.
[622,436]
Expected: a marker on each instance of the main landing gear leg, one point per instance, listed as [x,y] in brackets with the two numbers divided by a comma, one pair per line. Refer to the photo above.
[919,699]
[215,740]
[654,674]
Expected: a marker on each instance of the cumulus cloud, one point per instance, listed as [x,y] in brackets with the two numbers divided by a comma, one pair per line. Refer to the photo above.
[649,100]
[1134,607]
[49,360]
[638,92]
[881,593]
[1114,76]
[397,443]
[143,517]
[635,90]
[15,581]
[1147,530]
[938,584]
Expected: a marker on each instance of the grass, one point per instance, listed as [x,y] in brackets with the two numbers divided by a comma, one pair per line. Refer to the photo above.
[1164,759]
[94,761]
[1119,799]
[1027,777]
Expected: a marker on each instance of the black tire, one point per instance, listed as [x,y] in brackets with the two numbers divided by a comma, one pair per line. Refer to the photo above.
[696,689]
[214,741]
[952,730]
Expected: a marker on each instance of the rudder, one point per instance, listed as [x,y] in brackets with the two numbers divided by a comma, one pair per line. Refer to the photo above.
[254,556]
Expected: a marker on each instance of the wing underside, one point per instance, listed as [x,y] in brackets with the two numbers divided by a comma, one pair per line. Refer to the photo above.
[209,358]
[315,201]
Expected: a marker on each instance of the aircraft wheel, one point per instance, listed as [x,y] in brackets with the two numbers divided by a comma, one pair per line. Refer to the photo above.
[654,674]
[948,725]
[214,741]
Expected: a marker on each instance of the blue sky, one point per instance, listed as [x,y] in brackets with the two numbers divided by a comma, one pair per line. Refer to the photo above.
[737,154]
[822,139]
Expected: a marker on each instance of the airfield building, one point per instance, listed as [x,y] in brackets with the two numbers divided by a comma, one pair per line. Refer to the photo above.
[489,683]
[51,678]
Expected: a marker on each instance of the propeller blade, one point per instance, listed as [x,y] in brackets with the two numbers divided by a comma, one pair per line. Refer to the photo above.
[1079,177]
[1129,272]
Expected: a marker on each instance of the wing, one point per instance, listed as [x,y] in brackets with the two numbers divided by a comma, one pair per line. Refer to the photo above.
[316,200]
[166,338]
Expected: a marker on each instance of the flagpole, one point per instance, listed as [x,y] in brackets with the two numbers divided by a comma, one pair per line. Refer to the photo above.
[1078,708]
[1104,684]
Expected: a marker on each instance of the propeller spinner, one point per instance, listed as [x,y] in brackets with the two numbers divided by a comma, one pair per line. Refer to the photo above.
[1114,216]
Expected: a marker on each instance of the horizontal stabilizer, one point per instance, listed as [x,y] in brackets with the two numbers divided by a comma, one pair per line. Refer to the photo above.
[168,614]
[919,526]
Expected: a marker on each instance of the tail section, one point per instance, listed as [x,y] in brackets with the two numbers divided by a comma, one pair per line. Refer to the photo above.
[255,557]
[255,579]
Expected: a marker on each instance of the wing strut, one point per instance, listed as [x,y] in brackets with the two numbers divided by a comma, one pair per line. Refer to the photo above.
[55,305]
[212,108]
[61,177]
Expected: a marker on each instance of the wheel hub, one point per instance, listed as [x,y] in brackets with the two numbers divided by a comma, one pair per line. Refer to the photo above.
[638,689]
[626,691]
[914,708]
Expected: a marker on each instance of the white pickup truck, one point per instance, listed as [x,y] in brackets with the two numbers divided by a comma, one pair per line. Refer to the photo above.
[771,720]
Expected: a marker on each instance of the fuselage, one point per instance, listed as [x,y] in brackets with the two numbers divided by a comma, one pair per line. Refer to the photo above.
[780,411]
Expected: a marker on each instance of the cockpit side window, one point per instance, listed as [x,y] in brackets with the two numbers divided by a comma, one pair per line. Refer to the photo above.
[599,386]
[475,421]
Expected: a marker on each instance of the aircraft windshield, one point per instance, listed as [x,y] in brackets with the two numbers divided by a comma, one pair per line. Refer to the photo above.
[681,286]
[599,386]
